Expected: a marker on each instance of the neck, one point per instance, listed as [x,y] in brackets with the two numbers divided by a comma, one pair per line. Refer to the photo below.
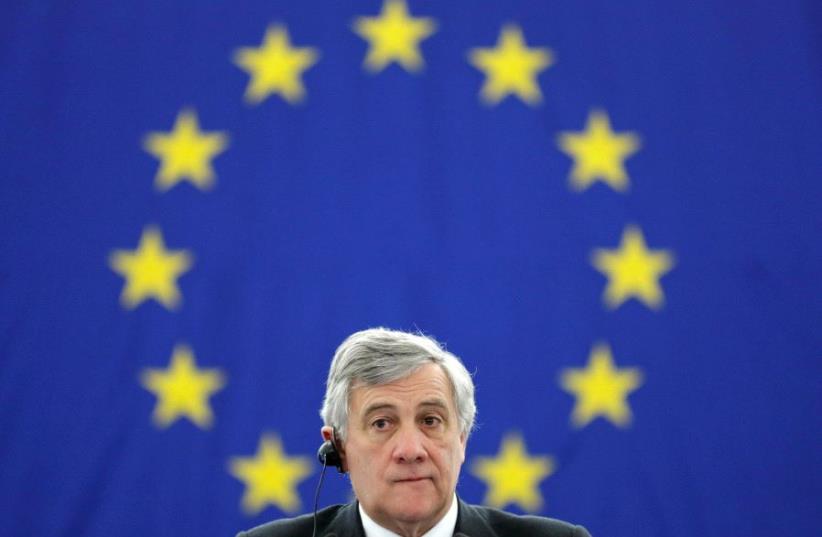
[416,528]
[411,530]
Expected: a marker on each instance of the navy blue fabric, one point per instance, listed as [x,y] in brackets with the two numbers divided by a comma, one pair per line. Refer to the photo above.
[402,200]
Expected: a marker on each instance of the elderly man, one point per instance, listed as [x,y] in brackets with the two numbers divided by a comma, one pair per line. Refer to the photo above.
[398,410]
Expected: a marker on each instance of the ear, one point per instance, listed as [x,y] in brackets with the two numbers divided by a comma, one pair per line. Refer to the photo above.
[328,434]
[464,444]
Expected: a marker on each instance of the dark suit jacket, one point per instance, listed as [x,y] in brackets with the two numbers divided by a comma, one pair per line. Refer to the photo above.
[472,520]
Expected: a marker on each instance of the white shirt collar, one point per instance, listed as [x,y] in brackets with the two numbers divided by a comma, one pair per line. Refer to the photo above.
[444,528]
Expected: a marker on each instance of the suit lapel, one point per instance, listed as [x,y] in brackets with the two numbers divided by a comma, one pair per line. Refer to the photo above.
[471,523]
[346,523]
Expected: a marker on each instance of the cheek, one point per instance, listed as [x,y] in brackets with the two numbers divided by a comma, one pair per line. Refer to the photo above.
[452,458]
[361,481]
[365,466]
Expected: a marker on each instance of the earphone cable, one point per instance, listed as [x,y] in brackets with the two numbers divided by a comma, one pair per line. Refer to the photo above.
[317,498]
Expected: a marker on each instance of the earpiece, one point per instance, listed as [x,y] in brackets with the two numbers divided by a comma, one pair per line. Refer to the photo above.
[328,454]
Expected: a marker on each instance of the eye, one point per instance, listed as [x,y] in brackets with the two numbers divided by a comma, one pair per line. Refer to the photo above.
[380,424]
[432,421]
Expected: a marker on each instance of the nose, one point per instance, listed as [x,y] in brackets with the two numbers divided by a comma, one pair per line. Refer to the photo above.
[409,447]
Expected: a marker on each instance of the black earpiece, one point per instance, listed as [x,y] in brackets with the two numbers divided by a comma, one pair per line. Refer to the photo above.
[328,454]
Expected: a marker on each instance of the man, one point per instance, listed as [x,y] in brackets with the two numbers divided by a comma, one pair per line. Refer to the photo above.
[398,410]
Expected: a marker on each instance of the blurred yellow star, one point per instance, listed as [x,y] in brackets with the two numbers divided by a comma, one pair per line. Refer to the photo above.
[275,67]
[513,477]
[270,477]
[633,270]
[394,36]
[185,152]
[601,389]
[599,153]
[182,390]
[150,271]
[511,68]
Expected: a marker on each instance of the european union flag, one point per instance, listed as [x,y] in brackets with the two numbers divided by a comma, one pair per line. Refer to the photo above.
[609,210]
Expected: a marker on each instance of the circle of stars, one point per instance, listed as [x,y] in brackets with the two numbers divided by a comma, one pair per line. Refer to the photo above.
[511,69]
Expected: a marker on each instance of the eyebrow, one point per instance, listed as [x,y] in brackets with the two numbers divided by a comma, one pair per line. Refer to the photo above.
[439,403]
[378,406]
[370,409]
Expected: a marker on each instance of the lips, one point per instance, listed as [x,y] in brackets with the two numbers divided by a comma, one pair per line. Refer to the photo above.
[410,479]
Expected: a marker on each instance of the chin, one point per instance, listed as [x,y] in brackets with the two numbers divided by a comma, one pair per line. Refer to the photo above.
[410,517]
[414,509]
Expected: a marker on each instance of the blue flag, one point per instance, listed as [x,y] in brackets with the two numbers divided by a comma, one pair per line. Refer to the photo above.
[610,211]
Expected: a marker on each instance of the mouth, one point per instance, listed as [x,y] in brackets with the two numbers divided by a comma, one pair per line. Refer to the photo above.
[410,480]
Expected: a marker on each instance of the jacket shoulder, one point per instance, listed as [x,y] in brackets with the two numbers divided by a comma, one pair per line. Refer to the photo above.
[508,524]
[295,527]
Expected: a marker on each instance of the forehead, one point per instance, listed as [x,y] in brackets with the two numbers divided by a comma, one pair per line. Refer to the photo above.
[427,384]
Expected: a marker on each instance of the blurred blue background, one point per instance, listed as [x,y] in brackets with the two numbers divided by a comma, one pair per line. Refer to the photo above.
[622,244]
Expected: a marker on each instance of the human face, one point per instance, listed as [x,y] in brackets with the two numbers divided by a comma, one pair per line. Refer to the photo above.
[404,450]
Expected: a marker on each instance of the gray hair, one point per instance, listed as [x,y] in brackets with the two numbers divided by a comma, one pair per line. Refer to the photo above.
[379,356]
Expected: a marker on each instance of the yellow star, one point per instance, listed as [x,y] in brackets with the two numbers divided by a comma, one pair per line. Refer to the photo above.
[512,476]
[270,477]
[150,271]
[511,67]
[633,270]
[275,67]
[182,390]
[394,36]
[601,389]
[598,153]
[185,152]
